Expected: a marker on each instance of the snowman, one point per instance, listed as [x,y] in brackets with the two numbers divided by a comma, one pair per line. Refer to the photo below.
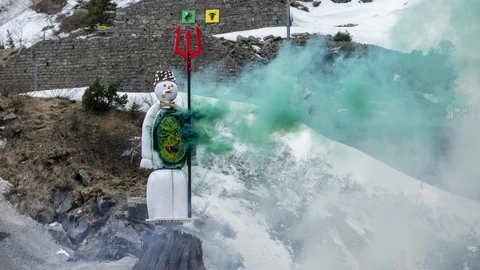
[164,150]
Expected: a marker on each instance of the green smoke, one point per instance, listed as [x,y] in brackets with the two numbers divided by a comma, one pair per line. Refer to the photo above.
[453,27]
[359,99]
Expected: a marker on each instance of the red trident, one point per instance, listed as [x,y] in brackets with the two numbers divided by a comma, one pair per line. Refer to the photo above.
[188,55]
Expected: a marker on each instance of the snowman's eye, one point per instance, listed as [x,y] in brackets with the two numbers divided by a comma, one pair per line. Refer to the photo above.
[164,85]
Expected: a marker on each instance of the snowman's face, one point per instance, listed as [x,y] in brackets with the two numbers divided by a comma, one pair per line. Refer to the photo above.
[166,91]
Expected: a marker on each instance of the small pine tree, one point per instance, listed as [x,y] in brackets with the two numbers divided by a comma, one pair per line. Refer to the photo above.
[343,36]
[10,42]
[101,12]
[99,98]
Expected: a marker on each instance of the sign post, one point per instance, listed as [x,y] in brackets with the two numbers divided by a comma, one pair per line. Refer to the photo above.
[35,71]
[212,16]
[188,55]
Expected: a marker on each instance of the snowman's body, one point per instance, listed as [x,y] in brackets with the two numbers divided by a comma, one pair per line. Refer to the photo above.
[163,150]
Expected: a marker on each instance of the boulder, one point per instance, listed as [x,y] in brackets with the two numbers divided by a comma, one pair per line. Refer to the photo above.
[12,128]
[4,235]
[80,18]
[48,6]
[57,232]
[5,187]
[84,177]
[123,239]
[62,201]
[104,204]
[77,228]
[316,3]
[137,208]
[10,116]
[3,143]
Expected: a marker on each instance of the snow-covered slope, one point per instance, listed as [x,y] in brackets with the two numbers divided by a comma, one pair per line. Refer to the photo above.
[26,25]
[374,20]
[309,202]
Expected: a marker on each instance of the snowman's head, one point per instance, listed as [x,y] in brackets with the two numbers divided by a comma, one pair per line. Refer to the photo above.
[166,88]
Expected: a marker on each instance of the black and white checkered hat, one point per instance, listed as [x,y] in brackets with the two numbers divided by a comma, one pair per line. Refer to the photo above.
[164,75]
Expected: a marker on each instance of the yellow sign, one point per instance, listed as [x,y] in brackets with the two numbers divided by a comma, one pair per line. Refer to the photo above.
[212,16]
[107,28]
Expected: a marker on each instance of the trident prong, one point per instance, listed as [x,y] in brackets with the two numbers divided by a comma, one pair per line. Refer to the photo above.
[188,55]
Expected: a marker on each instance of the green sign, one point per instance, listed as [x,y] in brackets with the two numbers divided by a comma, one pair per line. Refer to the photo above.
[188,16]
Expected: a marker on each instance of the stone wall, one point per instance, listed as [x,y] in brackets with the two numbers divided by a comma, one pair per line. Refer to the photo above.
[144,45]
[77,62]
[154,17]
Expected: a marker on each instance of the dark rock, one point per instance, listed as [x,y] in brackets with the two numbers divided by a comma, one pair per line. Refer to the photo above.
[5,104]
[45,216]
[10,116]
[341,1]
[295,4]
[77,228]
[48,27]
[80,18]
[84,177]
[316,3]
[253,40]
[12,128]
[104,204]
[48,6]
[123,239]
[137,208]
[269,37]
[4,235]
[128,234]
[62,201]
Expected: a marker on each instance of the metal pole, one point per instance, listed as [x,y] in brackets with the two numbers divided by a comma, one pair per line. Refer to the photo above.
[288,20]
[35,69]
[36,77]
[189,156]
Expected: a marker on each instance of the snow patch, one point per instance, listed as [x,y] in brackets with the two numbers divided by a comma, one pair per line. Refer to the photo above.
[63,252]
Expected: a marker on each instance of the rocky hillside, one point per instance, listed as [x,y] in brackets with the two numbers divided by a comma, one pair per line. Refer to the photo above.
[73,170]
[67,167]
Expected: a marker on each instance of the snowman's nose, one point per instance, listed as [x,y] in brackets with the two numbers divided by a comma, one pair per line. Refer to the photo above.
[169,87]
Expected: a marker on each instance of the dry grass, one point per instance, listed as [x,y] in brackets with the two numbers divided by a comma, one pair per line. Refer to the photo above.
[57,138]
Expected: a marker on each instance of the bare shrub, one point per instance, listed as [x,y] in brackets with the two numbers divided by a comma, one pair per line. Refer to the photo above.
[202,186]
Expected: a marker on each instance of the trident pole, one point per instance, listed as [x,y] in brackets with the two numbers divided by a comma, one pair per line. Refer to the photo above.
[288,20]
[189,157]
[189,55]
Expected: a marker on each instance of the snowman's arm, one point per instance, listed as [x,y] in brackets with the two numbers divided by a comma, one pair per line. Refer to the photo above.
[147,140]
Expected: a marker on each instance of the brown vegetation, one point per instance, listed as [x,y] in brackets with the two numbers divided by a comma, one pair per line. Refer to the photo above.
[48,6]
[57,138]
